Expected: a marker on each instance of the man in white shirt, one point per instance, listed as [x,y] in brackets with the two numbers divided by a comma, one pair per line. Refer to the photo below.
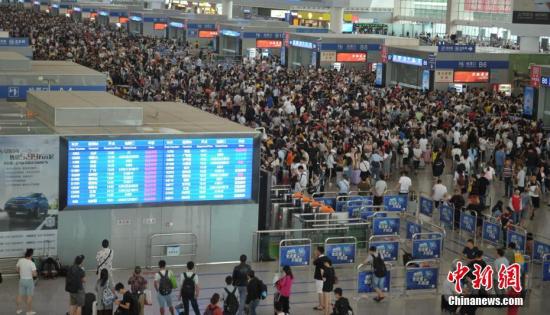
[301,183]
[27,271]
[404,183]
[104,258]
[438,192]
[343,185]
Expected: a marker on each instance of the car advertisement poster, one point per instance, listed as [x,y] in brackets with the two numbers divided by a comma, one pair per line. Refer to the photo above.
[29,169]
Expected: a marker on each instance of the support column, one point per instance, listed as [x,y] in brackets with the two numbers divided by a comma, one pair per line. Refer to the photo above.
[227,9]
[529,43]
[155,4]
[336,20]
[451,16]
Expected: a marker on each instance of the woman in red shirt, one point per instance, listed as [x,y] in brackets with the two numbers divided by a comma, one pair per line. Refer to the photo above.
[284,287]
[213,306]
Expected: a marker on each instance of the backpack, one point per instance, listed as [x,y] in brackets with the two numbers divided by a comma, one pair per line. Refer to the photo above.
[210,311]
[378,266]
[188,286]
[72,282]
[165,285]
[107,296]
[231,303]
[263,290]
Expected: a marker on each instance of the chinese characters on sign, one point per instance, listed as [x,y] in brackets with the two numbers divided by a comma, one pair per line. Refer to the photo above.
[444,76]
[535,76]
[508,277]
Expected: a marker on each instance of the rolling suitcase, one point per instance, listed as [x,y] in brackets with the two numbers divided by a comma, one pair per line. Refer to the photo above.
[89,301]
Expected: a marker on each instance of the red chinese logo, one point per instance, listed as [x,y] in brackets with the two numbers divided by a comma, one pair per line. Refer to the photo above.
[456,276]
[508,277]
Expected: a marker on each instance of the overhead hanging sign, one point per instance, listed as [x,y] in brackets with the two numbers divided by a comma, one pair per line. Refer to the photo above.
[456,48]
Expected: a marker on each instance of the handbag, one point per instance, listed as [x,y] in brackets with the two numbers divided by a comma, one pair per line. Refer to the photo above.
[103,263]
[108,297]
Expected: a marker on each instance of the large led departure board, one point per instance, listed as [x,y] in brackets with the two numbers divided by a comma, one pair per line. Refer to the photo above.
[152,171]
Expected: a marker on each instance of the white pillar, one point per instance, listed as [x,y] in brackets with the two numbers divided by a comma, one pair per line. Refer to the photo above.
[451,16]
[155,4]
[529,43]
[227,9]
[336,19]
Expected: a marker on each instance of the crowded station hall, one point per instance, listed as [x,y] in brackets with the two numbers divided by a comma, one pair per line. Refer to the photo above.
[330,157]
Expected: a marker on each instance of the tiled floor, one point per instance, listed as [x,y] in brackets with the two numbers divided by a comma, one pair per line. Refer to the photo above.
[50,297]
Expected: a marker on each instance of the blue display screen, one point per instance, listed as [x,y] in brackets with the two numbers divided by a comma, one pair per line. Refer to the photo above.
[149,171]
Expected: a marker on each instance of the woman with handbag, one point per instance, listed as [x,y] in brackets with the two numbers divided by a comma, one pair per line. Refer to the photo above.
[284,287]
[105,293]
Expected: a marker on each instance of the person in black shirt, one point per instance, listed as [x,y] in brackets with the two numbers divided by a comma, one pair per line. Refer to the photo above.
[128,305]
[319,264]
[329,279]
[240,280]
[482,185]
[341,305]
[470,251]
[76,277]
[253,293]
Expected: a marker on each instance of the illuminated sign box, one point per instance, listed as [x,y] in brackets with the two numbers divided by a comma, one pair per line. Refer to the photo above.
[471,76]
[77,9]
[136,18]
[103,13]
[176,24]
[55,6]
[351,57]
[159,26]
[208,33]
[545,81]
[230,33]
[302,44]
[413,61]
[269,43]
[122,20]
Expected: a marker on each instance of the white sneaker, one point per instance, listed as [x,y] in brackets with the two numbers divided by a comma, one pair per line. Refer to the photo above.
[31,313]
[18,311]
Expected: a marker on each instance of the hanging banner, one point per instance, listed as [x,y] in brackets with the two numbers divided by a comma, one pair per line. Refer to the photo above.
[385,226]
[395,202]
[389,250]
[426,248]
[535,73]
[517,238]
[446,214]
[341,253]
[294,255]
[421,278]
[365,283]
[29,172]
[413,228]
[467,222]
[426,206]
[528,101]
[539,250]
[491,232]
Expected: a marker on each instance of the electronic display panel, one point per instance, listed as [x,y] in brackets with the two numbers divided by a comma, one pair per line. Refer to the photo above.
[471,76]
[159,26]
[351,57]
[208,34]
[269,43]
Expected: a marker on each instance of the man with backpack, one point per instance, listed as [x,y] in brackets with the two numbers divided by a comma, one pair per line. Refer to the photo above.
[240,280]
[190,289]
[74,284]
[164,286]
[341,306]
[128,305]
[256,290]
[379,272]
[229,296]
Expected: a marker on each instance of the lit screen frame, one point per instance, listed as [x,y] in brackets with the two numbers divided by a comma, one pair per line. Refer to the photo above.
[471,71]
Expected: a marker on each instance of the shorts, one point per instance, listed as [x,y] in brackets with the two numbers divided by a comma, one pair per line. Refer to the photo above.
[77,299]
[164,300]
[26,287]
[319,286]
[378,283]
[535,201]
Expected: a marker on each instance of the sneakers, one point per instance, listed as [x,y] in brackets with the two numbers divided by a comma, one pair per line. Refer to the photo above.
[18,311]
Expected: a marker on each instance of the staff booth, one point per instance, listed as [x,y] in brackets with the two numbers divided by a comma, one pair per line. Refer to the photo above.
[152,23]
[76,13]
[408,66]
[176,29]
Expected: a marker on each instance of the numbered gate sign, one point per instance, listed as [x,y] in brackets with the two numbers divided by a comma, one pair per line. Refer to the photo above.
[491,232]
[395,202]
[385,226]
[421,278]
[539,250]
[341,253]
[426,248]
[426,206]
[389,250]
[446,214]
[413,228]
[516,238]
[468,222]
[365,283]
[295,255]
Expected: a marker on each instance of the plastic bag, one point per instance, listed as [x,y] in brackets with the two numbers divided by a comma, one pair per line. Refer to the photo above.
[148,297]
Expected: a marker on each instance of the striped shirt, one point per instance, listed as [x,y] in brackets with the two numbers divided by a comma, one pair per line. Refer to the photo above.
[507,172]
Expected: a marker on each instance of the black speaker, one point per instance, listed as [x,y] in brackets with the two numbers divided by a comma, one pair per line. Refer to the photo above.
[264,200]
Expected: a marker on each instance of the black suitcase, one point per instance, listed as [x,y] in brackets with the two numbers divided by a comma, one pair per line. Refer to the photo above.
[89,300]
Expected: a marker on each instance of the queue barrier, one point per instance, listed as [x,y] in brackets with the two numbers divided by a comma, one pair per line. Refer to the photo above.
[351,206]
[517,235]
[425,205]
[365,274]
[527,267]
[385,223]
[366,212]
[172,246]
[412,225]
[546,267]
[421,275]
[447,216]
[539,250]
[491,231]
[468,223]
[295,252]
[427,245]
[387,246]
[341,250]
[396,202]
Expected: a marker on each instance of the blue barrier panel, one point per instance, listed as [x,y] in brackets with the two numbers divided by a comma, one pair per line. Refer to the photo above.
[540,249]
[518,238]
[341,253]
[385,226]
[395,202]
[426,206]
[294,255]
[389,250]
[365,215]
[426,248]
[421,278]
[413,228]
[546,268]
[446,214]
[365,282]
[491,232]
[468,222]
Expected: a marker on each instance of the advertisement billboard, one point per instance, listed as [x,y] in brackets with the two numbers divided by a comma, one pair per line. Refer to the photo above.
[342,253]
[295,255]
[29,169]
[471,76]
[269,43]
[351,57]
[208,33]
[531,12]
[528,101]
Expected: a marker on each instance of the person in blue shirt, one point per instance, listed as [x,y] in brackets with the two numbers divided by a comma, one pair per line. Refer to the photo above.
[500,157]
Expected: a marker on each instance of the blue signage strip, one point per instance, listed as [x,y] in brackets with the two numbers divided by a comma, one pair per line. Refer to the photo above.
[545,81]
[19,92]
[176,25]
[546,270]
[421,278]
[385,226]
[295,255]
[365,283]
[413,61]
[395,202]
[491,232]
[311,30]
[467,222]
[431,62]
[517,238]
[230,33]
[154,19]
[379,74]
[14,41]
[426,206]
[528,101]
[446,214]
[540,249]
[456,48]
[117,13]
[413,228]
[342,253]
[451,64]
[426,248]
[201,26]
[302,44]
[389,251]
[350,47]
[263,35]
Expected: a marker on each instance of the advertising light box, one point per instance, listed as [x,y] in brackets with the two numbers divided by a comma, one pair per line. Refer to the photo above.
[269,43]
[159,26]
[122,20]
[471,76]
[102,172]
[351,57]
[208,33]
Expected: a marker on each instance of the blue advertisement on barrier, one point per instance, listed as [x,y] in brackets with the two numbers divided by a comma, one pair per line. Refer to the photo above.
[295,255]
[413,228]
[491,232]
[528,101]
[395,202]
[426,206]
[426,248]
[540,249]
[546,270]
[341,253]
[446,214]
[421,278]
[385,226]
[365,283]
[389,251]
[516,238]
[467,222]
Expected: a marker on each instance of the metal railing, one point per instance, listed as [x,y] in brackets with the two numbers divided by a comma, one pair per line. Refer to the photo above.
[170,246]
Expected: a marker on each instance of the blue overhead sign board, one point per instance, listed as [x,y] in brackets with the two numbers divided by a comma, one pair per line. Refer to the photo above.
[14,41]
[456,48]
[19,92]
[201,26]
[311,30]
[349,47]
[263,35]
[477,65]
[230,33]
[408,60]
[302,44]
[431,62]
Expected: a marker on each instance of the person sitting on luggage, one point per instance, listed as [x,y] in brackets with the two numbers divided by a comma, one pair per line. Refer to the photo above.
[341,306]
